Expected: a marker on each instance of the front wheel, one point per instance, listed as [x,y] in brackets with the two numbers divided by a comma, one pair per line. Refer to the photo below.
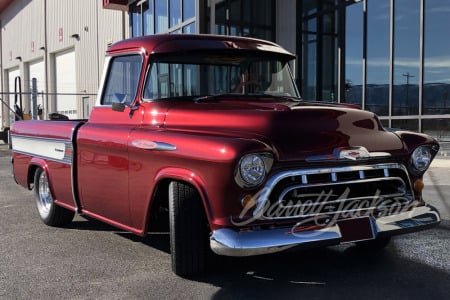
[50,213]
[188,230]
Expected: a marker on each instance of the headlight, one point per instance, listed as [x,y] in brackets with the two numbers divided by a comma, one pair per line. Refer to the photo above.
[252,169]
[420,159]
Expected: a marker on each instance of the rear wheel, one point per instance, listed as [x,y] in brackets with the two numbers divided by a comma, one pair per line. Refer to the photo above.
[188,230]
[50,213]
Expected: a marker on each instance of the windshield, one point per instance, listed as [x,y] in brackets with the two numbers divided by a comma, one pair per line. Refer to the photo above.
[210,75]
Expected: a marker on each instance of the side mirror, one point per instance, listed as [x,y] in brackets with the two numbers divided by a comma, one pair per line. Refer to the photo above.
[118,103]
[118,106]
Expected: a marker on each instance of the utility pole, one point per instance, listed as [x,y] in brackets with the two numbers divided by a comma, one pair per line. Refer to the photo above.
[408,76]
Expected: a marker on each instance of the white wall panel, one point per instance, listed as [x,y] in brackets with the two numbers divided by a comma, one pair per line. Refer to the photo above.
[37,70]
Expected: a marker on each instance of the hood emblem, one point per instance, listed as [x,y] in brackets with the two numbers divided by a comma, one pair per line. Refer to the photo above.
[352,153]
[348,153]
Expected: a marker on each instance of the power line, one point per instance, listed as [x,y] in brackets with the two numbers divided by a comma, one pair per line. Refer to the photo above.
[49,94]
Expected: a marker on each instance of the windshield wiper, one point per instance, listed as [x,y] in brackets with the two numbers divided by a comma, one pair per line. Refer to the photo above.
[239,95]
[209,97]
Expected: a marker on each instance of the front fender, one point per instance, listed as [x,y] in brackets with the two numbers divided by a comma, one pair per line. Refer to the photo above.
[188,176]
[411,140]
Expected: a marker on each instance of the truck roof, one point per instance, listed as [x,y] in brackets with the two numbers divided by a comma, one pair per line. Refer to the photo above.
[170,43]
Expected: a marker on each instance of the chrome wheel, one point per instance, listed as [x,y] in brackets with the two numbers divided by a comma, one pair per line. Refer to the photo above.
[50,213]
[44,201]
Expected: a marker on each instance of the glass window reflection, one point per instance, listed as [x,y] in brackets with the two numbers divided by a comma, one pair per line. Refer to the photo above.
[406,124]
[405,97]
[354,53]
[188,9]
[136,20]
[377,68]
[309,60]
[148,18]
[175,12]
[438,128]
[189,28]
[161,16]
[436,89]
[252,18]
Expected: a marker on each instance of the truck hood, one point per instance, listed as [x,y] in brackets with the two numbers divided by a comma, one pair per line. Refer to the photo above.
[294,130]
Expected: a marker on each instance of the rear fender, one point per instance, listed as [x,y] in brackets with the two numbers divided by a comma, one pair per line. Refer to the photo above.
[34,164]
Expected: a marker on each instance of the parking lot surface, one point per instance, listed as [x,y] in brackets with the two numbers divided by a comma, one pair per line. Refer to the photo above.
[90,260]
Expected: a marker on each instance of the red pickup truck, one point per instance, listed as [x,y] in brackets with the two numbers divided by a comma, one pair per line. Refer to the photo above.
[211,132]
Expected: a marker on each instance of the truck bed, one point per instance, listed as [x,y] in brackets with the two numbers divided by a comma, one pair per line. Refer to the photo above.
[48,145]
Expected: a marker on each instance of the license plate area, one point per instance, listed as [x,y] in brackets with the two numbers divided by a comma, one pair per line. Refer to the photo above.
[355,230]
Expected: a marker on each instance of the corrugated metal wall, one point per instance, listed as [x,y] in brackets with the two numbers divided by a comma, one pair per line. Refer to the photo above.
[82,26]
[22,28]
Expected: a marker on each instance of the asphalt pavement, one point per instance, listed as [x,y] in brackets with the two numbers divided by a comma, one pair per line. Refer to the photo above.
[91,260]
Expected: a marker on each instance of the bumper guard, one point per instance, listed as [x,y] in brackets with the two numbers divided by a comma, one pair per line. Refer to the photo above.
[229,242]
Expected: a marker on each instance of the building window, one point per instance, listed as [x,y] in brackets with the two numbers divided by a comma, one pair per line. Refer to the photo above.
[378,57]
[175,12]
[162,16]
[253,18]
[188,9]
[136,20]
[189,28]
[148,21]
[309,60]
[407,124]
[319,38]
[436,88]
[405,97]
[354,34]
[438,128]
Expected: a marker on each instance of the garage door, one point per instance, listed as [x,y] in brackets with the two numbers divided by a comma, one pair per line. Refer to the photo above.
[12,74]
[66,84]
[37,70]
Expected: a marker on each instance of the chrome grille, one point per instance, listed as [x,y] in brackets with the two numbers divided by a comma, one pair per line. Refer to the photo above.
[342,192]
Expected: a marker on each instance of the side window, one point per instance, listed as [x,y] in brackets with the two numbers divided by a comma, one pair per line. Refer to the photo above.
[123,78]
[171,80]
[157,84]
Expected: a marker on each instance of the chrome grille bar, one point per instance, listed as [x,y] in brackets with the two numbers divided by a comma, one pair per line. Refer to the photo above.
[276,189]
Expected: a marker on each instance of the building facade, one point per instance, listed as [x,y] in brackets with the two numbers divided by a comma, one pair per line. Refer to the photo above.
[62,44]
[388,56]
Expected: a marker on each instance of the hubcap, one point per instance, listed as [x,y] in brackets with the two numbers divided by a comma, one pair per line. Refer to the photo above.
[44,200]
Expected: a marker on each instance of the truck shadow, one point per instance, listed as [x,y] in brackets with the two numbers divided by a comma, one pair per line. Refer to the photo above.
[331,273]
[158,239]
[328,273]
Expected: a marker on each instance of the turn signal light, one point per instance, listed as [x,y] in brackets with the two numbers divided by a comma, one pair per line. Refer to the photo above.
[248,201]
[418,185]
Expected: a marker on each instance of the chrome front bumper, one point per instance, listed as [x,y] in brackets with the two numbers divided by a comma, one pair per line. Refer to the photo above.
[229,242]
